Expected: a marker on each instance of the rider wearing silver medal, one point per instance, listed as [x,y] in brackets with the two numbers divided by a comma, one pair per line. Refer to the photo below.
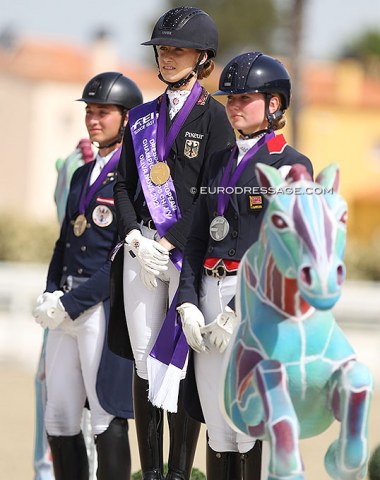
[226,223]
[143,272]
[75,305]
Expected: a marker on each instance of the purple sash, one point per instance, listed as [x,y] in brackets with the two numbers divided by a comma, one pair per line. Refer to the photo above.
[152,146]
[230,181]
[88,193]
[169,353]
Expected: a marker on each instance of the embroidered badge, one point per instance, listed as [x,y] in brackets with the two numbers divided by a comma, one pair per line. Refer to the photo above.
[102,216]
[191,148]
[255,202]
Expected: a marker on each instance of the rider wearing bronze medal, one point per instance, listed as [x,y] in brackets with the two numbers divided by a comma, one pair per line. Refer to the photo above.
[226,222]
[75,305]
[187,125]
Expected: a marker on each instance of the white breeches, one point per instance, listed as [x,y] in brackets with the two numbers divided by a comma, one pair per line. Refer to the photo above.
[145,310]
[73,353]
[214,296]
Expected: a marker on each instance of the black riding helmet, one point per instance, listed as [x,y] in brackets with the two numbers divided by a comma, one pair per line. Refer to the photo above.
[255,72]
[113,88]
[185,27]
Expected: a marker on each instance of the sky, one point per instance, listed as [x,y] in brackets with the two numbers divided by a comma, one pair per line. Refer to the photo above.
[329,24]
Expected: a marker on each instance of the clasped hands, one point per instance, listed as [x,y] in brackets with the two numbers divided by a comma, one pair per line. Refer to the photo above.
[153,257]
[219,331]
[49,311]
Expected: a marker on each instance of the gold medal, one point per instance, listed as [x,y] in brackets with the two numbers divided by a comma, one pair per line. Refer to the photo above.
[159,173]
[80,225]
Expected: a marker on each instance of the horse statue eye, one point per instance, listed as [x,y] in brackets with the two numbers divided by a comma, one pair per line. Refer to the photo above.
[343,218]
[279,222]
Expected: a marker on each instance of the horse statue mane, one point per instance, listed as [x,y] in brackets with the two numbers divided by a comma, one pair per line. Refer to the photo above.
[289,370]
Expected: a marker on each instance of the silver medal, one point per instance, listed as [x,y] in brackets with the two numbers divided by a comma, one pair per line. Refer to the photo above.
[219,228]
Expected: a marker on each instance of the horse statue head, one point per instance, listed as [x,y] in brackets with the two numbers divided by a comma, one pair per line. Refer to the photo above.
[305,227]
[289,370]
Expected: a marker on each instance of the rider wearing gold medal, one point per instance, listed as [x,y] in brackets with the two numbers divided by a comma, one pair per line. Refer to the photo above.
[190,126]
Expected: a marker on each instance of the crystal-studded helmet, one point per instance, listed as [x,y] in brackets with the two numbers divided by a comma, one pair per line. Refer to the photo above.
[186,27]
[255,72]
[112,88]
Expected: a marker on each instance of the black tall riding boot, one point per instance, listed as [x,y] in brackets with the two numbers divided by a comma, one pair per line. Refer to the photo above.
[114,456]
[70,461]
[184,432]
[149,428]
[234,465]
[251,462]
[222,465]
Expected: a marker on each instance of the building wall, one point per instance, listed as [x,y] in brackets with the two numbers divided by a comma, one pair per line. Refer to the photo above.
[40,121]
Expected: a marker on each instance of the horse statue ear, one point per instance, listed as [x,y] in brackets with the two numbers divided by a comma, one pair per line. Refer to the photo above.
[269,178]
[329,177]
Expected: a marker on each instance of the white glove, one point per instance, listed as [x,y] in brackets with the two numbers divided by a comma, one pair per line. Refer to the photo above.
[192,321]
[151,255]
[148,279]
[49,311]
[221,329]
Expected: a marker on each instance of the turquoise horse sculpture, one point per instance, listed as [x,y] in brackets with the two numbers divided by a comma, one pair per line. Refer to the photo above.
[289,370]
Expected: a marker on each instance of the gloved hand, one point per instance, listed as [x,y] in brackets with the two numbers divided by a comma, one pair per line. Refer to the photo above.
[49,311]
[221,329]
[148,279]
[192,321]
[151,255]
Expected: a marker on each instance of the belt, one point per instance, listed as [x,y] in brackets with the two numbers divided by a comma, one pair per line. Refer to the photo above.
[220,269]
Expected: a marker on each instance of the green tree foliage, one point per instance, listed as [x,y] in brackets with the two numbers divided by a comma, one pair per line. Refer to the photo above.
[195,474]
[366,50]
[374,465]
[25,240]
[367,45]
[243,25]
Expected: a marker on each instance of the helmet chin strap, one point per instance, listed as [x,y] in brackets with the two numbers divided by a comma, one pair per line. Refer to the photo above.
[182,81]
[247,136]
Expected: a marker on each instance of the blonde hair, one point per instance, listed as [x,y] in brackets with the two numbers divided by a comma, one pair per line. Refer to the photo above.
[206,69]
[279,123]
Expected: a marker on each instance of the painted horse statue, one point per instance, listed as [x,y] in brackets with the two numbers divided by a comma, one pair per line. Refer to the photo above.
[290,371]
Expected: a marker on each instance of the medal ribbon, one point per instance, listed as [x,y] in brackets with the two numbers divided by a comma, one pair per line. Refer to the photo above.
[151,146]
[165,144]
[88,193]
[227,181]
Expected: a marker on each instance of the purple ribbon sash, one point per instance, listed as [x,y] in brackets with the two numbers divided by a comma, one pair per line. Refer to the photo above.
[88,193]
[230,181]
[151,145]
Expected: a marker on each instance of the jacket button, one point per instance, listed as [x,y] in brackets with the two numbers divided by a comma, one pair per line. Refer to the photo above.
[80,270]
[231,252]
[210,249]
[234,234]
[83,248]
[68,245]
[64,268]
[236,216]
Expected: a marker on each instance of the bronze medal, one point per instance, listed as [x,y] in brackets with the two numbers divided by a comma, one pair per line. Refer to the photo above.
[80,225]
[159,173]
[219,228]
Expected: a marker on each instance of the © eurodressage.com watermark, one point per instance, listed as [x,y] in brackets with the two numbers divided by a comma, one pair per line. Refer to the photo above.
[251,190]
